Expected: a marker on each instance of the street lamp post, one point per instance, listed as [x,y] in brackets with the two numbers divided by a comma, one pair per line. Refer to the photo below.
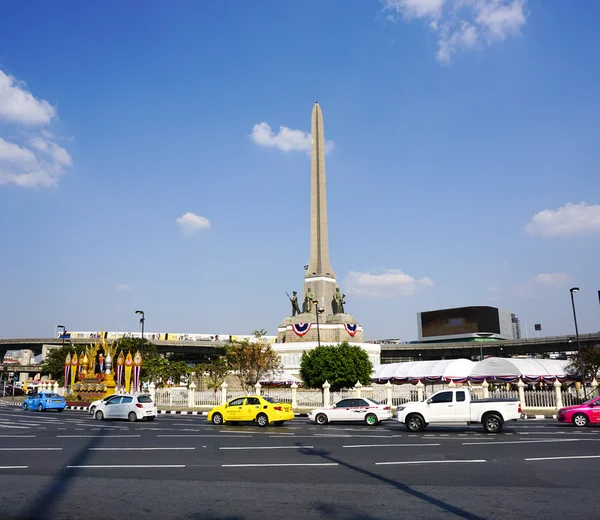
[142,321]
[574,290]
[318,310]
[63,333]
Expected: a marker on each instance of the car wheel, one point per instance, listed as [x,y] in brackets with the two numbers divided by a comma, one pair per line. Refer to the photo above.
[92,410]
[492,423]
[262,420]
[217,419]
[151,418]
[415,423]
[371,419]
[99,415]
[321,419]
[580,419]
[24,406]
[132,417]
[40,408]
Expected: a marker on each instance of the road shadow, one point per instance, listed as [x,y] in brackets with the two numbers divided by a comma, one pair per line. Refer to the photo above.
[405,488]
[43,506]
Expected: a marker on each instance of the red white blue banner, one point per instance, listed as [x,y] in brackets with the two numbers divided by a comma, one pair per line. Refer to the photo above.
[300,329]
[351,328]
[67,371]
[119,376]
[136,378]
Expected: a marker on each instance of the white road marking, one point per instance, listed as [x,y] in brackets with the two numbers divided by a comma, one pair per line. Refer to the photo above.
[138,449]
[13,426]
[17,436]
[207,435]
[264,447]
[115,466]
[278,465]
[526,442]
[565,458]
[30,449]
[387,445]
[93,436]
[236,431]
[14,467]
[430,462]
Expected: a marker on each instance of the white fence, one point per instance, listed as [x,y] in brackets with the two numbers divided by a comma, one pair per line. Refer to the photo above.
[394,395]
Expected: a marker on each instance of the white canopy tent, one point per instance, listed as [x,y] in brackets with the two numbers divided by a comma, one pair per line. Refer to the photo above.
[460,370]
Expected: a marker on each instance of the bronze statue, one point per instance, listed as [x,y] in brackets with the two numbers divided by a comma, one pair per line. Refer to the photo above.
[339,301]
[295,306]
[308,301]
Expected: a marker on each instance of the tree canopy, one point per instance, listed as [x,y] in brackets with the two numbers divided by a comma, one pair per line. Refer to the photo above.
[591,362]
[215,372]
[341,365]
[251,361]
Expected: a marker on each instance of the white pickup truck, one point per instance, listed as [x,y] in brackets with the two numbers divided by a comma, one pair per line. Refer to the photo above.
[456,406]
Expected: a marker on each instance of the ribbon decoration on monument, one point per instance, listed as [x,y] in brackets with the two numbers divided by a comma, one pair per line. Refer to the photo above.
[137,369]
[67,370]
[120,363]
[351,328]
[128,367]
[301,329]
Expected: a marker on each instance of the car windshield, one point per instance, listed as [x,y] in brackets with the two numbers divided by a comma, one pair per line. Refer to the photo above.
[373,401]
[52,395]
[144,399]
[595,401]
[270,399]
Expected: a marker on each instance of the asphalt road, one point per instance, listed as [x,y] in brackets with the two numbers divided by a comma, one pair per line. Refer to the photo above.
[67,466]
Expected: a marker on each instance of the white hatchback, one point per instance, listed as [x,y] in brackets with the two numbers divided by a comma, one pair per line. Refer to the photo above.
[92,407]
[130,407]
[352,409]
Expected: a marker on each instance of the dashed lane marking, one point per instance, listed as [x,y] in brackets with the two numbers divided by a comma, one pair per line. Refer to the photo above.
[141,449]
[388,445]
[127,466]
[278,465]
[14,467]
[527,442]
[30,449]
[534,459]
[94,436]
[264,447]
[430,462]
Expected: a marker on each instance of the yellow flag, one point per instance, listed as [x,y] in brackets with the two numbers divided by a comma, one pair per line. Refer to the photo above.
[73,370]
[128,367]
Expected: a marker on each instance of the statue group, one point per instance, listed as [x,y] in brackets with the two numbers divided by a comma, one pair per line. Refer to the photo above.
[337,304]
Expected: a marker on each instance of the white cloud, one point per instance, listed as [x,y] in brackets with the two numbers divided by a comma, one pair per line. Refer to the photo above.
[463,24]
[286,140]
[570,219]
[18,105]
[493,289]
[415,8]
[190,223]
[552,279]
[123,287]
[389,283]
[38,160]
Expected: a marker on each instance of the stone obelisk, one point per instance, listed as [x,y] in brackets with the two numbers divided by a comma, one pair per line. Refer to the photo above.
[319,274]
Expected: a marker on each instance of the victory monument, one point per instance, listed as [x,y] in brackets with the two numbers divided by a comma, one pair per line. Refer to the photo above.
[320,316]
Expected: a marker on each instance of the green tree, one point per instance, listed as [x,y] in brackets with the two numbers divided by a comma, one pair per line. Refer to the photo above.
[341,365]
[250,361]
[215,373]
[591,362]
[54,364]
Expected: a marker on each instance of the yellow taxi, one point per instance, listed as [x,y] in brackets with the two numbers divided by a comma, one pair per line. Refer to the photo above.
[262,410]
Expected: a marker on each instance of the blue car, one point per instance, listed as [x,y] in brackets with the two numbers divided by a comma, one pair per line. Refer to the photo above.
[45,401]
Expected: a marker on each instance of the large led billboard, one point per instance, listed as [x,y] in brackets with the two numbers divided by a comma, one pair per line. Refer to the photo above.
[462,320]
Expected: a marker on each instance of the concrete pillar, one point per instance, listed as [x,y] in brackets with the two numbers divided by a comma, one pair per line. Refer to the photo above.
[557,389]
[55,387]
[152,389]
[486,389]
[224,393]
[294,388]
[326,397]
[358,387]
[420,387]
[192,395]
[521,386]
[388,393]
[594,387]
[257,386]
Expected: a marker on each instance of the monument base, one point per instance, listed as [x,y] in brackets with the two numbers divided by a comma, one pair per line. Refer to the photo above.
[291,353]
[332,329]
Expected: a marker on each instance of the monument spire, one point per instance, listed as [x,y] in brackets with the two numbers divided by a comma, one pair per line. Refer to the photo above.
[320,264]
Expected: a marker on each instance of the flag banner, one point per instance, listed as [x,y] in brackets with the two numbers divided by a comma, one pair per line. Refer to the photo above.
[351,328]
[301,329]
[128,367]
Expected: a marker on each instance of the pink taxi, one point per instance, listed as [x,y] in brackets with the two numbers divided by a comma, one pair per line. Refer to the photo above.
[581,414]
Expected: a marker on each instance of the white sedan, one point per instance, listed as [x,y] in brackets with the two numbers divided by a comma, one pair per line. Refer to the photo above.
[353,409]
[130,407]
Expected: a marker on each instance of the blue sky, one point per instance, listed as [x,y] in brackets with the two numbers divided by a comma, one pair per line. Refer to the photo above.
[137,169]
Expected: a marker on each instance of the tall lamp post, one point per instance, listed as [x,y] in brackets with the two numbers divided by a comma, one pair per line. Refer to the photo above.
[63,333]
[142,321]
[318,310]
[574,290]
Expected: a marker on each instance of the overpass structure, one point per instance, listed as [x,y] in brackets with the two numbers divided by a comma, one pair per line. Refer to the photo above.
[396,353]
